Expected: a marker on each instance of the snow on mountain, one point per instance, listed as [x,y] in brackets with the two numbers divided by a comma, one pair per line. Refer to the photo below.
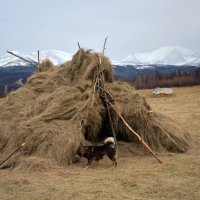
[167,55]
[56,56]
[126,61]
[9,60]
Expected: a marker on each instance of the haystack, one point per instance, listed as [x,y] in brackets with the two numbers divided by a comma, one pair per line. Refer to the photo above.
[58,109]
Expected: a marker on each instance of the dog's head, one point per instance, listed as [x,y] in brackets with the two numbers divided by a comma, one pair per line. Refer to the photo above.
[81,150]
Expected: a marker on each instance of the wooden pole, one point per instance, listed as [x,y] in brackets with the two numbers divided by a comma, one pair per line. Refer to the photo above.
[1,163]
[38,53]
[112,125]
[107,107]
[79,46]
[104,46]
[104,94]
[136,134]
[24,59]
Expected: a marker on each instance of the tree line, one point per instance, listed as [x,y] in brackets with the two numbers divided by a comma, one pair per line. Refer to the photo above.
[176,79]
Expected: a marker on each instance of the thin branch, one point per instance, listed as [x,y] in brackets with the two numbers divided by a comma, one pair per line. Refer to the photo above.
[99,59]
[38,53]
[106,91]
[1,163]
[94,90]
[79,45]
[112,125]
[32,62]
[104,46]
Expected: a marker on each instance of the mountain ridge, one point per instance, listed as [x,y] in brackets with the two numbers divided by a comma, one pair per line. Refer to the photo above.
[14,72]
[56,56]
[167,55]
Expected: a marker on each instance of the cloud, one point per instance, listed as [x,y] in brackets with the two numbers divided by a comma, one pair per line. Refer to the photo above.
[132,25]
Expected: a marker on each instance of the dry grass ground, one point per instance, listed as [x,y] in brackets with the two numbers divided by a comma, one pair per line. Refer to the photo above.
[136,177]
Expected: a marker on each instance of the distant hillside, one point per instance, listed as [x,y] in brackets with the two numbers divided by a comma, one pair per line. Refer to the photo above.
[14,77]
[130,72]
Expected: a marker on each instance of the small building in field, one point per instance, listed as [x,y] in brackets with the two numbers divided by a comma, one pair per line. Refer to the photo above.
[162,91]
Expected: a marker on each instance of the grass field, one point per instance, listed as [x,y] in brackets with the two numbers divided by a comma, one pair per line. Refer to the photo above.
[136,177]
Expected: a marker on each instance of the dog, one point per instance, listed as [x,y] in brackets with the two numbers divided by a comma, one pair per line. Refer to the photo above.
[97,152]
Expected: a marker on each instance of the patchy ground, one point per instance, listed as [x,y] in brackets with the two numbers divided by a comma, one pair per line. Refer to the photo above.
[136,177]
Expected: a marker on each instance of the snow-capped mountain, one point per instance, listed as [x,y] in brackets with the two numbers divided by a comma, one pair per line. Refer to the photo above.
[165,60]
[129,60]
[14,72]
[56,56]
[167,55]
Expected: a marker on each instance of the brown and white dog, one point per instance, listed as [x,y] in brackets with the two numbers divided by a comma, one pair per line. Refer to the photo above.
[97,152]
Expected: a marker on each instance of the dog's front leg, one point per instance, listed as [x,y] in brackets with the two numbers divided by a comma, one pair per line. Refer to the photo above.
[114,163]
[89,163]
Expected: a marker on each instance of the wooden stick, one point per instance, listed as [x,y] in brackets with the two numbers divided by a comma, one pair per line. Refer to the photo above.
[105,98]
[38,53]
[136,134]
[99,60]
[94,90]
[107,93]
[24,59]
[79,46]
[12,154]
[100,83]
[111,122]
[104,46]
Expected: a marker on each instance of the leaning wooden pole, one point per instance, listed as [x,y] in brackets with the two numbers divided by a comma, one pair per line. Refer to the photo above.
[135,133]
[103,93]
[79,45]
[33,62]
[108,110]
[104,45]
[112,125]
[1,163]
[38,55]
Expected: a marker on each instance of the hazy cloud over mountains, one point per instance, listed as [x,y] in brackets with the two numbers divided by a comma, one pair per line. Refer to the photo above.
[132,25]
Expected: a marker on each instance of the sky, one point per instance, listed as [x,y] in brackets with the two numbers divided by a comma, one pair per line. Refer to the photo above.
[132,26]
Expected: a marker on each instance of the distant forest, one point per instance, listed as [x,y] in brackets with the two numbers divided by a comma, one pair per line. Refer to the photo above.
[152,80]
[176,79]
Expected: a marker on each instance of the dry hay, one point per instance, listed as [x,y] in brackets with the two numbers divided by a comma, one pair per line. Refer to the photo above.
[57,110]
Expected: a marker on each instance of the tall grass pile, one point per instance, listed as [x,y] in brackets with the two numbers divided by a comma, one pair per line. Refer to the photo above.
[58,109]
